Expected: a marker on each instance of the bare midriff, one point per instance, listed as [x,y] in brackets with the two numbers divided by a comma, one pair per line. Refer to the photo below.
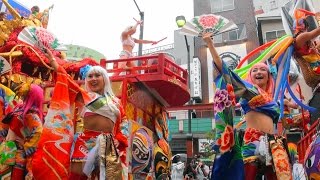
[98,123]
[94,123]
[259,121]
[127,48]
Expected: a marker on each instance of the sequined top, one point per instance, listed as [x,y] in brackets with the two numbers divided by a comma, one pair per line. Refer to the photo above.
[100,105]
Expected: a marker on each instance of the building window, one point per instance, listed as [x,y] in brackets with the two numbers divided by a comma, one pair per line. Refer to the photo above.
[238,34]
[271,35]
[221,5]
[217,38]
[273,5]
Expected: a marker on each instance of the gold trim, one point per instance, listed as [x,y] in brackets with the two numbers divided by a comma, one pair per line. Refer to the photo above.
[59,163]
[250,159]
[13,54]
[64,84]
[55,172]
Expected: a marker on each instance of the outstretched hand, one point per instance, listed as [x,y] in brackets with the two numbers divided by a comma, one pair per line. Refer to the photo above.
[51,58]
[207,37]
[138,22]
[48,53]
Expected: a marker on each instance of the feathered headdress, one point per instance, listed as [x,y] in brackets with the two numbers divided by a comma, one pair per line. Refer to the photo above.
[84,71]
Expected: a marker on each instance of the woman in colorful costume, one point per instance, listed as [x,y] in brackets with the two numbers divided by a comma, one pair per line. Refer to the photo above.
[304,44]
[40,18]
[260,113]
[128,43]
[25,128]
[6,97]
[102,115]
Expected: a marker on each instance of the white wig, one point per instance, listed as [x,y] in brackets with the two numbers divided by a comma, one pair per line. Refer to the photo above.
[107,84]
[108,93]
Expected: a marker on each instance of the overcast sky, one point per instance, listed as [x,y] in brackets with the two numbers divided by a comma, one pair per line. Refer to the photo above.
[98,24]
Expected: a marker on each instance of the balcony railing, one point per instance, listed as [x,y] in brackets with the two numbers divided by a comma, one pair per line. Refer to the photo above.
[152,64]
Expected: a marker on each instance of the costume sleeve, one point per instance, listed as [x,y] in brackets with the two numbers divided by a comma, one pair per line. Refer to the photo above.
[227,78]
[73,88]
[229,86]
[58,130]
[34,124]
[121,133]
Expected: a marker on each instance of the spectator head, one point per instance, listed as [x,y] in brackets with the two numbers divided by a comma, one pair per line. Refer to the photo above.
[35,9]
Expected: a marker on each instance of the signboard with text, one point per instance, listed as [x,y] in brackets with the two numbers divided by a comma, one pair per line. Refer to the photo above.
[195,78]
[196,91]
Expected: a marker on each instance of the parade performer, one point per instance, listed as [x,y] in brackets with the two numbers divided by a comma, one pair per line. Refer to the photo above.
[128,43]
[43,17]
[99,117]
[305,45]
[25,128]
[260,114]
[35,10]
[6,97]
[102,115]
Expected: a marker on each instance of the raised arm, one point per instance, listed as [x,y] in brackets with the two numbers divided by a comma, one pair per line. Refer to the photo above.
[141,41]
[131,29]
[215,56]
[302,38]
[52,60]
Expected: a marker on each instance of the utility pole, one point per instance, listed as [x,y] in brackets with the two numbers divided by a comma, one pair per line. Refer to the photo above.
[141,27]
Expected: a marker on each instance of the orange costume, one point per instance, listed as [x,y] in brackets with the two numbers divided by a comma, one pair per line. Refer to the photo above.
[52,159]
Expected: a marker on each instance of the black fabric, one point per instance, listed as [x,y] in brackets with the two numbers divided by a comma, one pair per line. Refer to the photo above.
[8,118]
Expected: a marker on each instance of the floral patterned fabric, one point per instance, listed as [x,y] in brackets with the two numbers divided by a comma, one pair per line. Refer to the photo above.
[52,158]
[251,142]
[83,143]
[29,130]
[228,164]
[229,87]
[280,158]
[310,55]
